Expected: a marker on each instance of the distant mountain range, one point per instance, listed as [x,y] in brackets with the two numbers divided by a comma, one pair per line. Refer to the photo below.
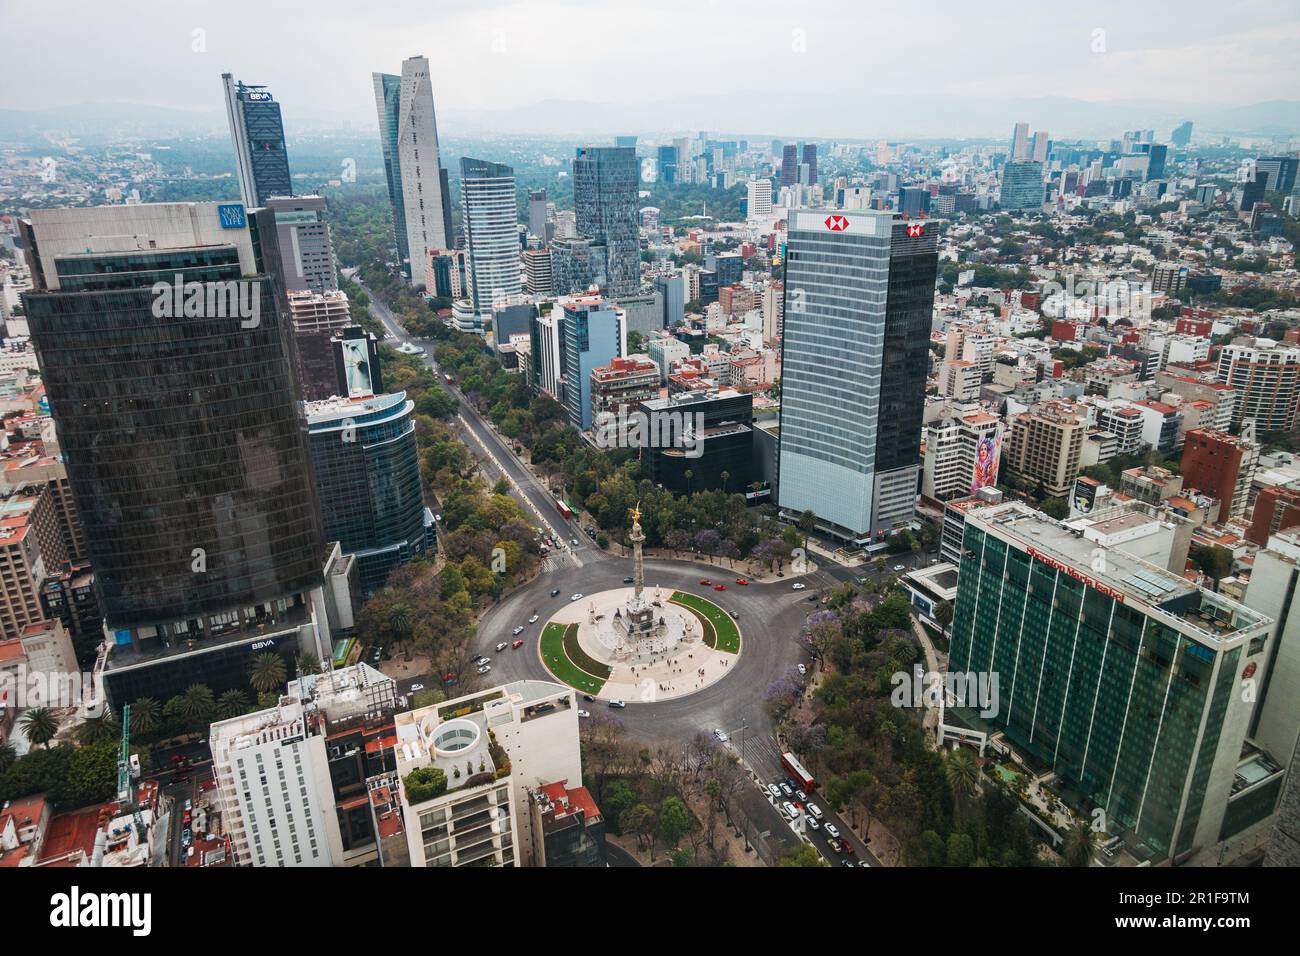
[755,115]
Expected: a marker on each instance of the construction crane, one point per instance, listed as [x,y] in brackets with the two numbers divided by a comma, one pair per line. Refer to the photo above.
[126,790]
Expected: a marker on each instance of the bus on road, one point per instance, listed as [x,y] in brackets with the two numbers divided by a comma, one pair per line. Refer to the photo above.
[564,509]
[797,773]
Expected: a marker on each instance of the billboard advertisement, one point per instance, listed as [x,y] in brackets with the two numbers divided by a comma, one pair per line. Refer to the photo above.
[356,367]
[988,453]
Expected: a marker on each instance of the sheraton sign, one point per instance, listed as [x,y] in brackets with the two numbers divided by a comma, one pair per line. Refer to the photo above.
[1075,573]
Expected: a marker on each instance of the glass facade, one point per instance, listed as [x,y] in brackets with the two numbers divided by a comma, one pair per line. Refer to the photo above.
[367,473]
[388,93]
[490,221]
[182,438]
[605,183]
[1123,706]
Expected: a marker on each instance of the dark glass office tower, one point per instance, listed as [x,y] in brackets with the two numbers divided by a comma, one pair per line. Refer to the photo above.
[859,288]
[367,474]
[257,130]
[668,164]
[605,180]
[167,366]
[810,160]
[789,164]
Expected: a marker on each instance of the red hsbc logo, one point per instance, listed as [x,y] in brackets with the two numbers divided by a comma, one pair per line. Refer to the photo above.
[836,223]
[915,229]
[1249,672]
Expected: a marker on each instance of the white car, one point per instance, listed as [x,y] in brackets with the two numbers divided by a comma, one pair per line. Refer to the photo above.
[533,619]
[799,586]
[575,597]
[802,670]
[774,790]
[813,823]
[584,713]
[415,687]
[789,809]
[485,668]
[814,810]
[898,569]
[786,789]
[502,646]
[833,831]
[519,629]
[481,660]
[720,735]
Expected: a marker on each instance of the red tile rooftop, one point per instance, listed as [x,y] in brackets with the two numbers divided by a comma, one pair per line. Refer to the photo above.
[69,832]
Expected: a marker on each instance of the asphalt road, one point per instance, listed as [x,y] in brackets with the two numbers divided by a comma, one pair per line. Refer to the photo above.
[769,617]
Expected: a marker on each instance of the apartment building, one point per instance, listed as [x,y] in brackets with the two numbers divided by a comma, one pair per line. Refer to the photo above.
[1266,378]
[466,766]
[962,455]
[1222,465]
[1045,443]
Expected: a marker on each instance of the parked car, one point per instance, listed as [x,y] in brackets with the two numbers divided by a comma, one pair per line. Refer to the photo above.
[584,714]
[787,789]
[899,569]
[518,644]
[485,668]
[415,687]
[800,796]
[617,704]
[789,809]
[815,810]
[720,735]
[774,790]
[798,586]
[814,823]
[833,830]
[835,844]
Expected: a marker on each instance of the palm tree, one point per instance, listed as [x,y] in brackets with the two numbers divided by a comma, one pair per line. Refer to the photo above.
[689,474]
[8,754]
[144,715]
[232,703]
[308,664]
[1079,845]
[197,704]
[267,672]
[98,729]
[40,726]
[963,777]
[807,521]
[725,476]
[399,621]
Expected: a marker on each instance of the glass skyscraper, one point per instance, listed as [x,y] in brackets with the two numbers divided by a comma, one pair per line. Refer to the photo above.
[417,183]
[367,474]
[605,182]
[261,161]
[592,333]
[180,428]
[859,289]
[490,220]
[1121,678]
[1022,186]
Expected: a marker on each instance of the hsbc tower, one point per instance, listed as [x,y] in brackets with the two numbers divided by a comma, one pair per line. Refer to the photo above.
[859,292]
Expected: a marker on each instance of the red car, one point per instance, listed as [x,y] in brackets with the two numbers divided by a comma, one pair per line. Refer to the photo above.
[705,581]
[742,581]
[517,644]
[719,587]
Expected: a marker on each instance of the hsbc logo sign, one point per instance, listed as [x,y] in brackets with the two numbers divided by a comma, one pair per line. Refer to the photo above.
[915,230]
[836,223]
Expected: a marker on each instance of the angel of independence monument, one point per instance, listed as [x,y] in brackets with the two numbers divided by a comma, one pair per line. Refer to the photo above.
[642,627]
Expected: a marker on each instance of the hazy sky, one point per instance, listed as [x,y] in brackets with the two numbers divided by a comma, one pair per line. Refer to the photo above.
[487,55]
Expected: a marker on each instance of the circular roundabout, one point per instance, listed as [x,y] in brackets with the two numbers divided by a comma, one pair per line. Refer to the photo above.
[656,645]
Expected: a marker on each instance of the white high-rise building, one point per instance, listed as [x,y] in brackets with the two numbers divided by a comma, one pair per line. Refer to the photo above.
[490,219]
[760,199]
[417,183]
[466,766]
